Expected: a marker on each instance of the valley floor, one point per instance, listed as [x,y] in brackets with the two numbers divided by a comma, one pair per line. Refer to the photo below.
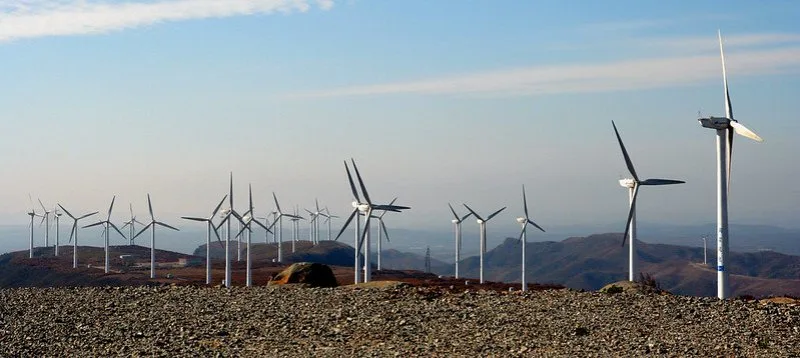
[389,321]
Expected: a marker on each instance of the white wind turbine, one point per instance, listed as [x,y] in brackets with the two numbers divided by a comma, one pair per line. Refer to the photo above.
[46,221]
[482,228]
[227,214]
[32,213]
[74,232]
[152,225]
[279,214]
[725,127]
[106,224]
[57,215]
[705,250]
[247,219]
[296,225]
[381,232]
[328,218]
[633,191]
[457,223]
[523,236]
[312,227]
[209,228]
[315,222]
[366,207]
[131,226]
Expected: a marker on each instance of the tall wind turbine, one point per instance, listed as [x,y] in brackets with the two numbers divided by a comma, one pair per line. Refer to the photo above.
[328,218]
[457,223]
[74,232]
[152,226]
[523,236]
[32,213]
[131,225]
[247,219]
[228,213]
[482,227]
[633,191]
[366,207]
[705,250]
[381,231]
[725,127]
[57,215]
[107,224]
[279,214]
[46,221]
[209,228]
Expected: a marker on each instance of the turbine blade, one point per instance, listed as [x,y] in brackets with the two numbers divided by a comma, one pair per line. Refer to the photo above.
[216,209]
[743,131]
[628,162]
[366,230]
[167,225]
[277,206]
[72,232]
[473,212]
[361,182]
[352,185]
[534,224]
[110,207]
[87,215]
[150,206]
[631,211]
[495,214]
[250,196]
[465,217]
[729,156]
[117,229]
[316,203]
[195,219]
[524,201]
[40,203]
[262,225]
[126,224]
[453,211]
[347,222]
[385,232]
[524,229]
[66,211]
[661,182]
[142,230]
[216,233]
[230,195]
[728,107]
[94,224]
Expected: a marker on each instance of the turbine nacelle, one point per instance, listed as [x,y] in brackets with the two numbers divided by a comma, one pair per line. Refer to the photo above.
[715,122]
[480,221]
[522,221]
[627,182]
[454,221]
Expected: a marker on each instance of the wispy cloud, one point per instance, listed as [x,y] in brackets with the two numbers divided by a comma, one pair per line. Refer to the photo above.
[643,73]
[38,18]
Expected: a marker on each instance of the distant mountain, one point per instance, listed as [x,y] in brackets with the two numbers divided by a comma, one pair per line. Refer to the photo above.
[594,261]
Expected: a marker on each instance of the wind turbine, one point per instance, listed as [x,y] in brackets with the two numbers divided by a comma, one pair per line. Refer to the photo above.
[74,232]
[247,219]
[725,127]
[633,191]
[152,226]
[457,223]
[279,220]
[312,227]
[227,213]
[381,231]
[32,213]
[523,236]
[482,228]
[705,250]
[296,225]
[46,221]
[315,222]
[106,224]
[131,225]
[366,207]
[209,228]
[57,215]
[328,218]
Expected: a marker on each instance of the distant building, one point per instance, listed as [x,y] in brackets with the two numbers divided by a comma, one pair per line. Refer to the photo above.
[190,262]
[127,260]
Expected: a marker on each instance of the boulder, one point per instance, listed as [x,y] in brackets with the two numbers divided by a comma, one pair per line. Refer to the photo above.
[309,273]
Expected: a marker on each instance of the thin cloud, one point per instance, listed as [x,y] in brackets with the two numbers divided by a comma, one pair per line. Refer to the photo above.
[647,73]
[39,18]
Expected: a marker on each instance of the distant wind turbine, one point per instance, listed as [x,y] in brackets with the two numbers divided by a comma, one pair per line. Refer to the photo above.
[131,225]
[152,225]
[32,213]
[74,232]
[457,223]
[107,224]
[482,227]
[227,214]
[279,214]
[57,215]
[209,227]
[381,232]
[328,219]
[247,219]
[46,221]
[725,127]
[523,236]
[633,191]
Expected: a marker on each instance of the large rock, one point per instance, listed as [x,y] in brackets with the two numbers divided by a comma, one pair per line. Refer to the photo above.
[312,274]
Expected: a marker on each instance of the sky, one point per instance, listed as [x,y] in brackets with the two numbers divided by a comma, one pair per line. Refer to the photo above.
[439,101]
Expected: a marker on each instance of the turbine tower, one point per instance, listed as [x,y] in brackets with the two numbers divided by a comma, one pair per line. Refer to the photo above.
[482,227]
[32,213]
[523,236]
[725,127]
[46,221]
[74,232]
[152,225]
[106,225]
[366,207]
[209,228]
[57,215]
[457,223]
[633,191]
[705,250]
[279,220]
[381,232]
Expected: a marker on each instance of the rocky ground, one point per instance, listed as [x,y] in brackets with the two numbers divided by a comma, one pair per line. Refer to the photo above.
[385,321]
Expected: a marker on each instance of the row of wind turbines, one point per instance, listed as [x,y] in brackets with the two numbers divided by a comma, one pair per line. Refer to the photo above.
[363,206]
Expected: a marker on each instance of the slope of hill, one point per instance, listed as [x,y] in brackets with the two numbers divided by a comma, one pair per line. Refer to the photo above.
[593,261]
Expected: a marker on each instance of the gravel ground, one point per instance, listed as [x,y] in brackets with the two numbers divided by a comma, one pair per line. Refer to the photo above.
[381,322]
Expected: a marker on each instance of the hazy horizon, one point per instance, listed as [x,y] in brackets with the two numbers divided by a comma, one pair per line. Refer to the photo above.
[436,102]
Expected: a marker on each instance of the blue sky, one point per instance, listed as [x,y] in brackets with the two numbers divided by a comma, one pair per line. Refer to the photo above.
[439,101]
